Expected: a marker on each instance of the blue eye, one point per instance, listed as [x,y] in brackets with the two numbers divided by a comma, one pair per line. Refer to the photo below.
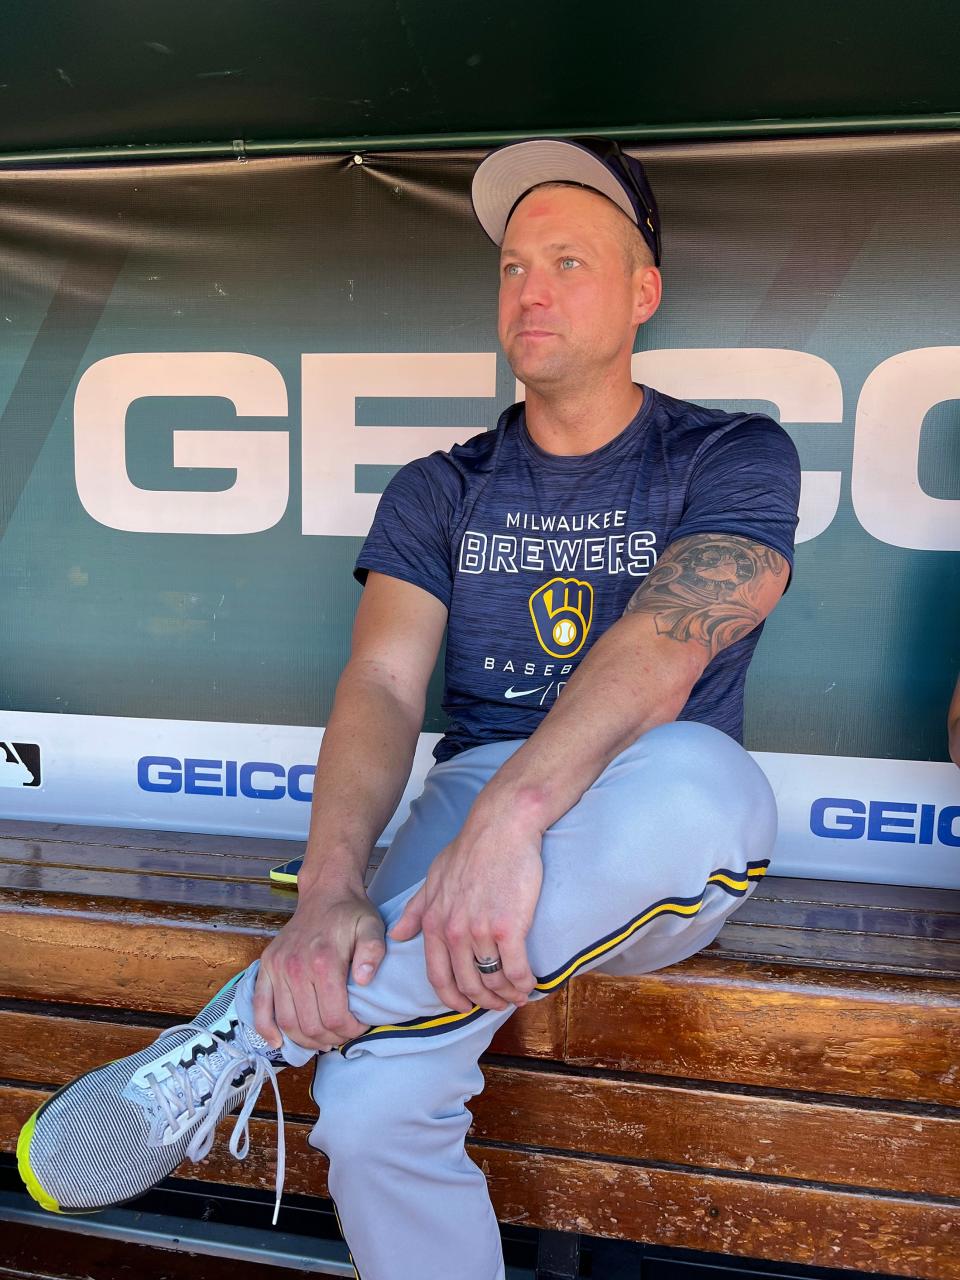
[564,261]
[511,269]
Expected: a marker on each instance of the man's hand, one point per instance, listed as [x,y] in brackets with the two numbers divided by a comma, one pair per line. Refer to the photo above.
[302,984]
[478,900]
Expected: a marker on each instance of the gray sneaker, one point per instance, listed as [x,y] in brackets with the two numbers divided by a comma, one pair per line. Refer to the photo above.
[114,1132]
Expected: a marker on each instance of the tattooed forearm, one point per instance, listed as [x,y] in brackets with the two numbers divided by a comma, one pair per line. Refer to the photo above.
[714,588]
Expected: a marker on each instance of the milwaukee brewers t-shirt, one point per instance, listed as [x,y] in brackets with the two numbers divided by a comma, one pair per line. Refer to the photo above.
[536,554]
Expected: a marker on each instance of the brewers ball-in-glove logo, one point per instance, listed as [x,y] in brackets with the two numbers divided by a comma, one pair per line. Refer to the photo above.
[562,610]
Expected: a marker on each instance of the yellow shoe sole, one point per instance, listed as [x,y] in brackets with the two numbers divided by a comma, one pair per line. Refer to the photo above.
[30,1180]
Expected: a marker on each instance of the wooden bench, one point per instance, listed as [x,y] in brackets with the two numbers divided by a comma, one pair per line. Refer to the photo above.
[791,1093]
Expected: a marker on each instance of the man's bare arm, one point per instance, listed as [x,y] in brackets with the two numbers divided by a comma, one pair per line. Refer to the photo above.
[712,588]
[364,762]
[373,729]
[707,592]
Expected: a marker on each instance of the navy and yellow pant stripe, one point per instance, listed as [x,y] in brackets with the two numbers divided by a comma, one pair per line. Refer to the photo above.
[736,883]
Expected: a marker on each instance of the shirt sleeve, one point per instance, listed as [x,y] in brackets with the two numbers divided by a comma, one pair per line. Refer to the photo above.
[746,482]
[411,531]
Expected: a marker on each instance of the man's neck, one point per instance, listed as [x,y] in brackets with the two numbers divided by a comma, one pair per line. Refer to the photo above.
[581,422]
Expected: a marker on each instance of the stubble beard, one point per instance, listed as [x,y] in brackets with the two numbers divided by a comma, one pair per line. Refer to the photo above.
[547,376]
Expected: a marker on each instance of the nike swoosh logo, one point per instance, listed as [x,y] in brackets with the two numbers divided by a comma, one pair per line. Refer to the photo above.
[521,693]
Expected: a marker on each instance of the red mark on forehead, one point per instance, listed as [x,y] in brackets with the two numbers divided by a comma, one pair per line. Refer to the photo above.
[536,207]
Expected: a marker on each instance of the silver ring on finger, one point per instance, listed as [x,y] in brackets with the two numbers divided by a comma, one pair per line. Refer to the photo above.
[489,964]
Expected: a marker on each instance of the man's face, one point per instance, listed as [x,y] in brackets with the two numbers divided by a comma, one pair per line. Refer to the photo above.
[569,306]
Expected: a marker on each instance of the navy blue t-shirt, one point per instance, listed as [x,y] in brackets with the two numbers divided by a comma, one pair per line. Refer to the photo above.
[536,554]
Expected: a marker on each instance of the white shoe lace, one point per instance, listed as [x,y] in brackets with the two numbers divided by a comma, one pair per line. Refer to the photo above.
[181,1102]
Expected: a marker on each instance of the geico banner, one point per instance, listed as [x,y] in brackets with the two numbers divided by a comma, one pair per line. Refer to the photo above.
[179,775]
[840,818]
[209,372]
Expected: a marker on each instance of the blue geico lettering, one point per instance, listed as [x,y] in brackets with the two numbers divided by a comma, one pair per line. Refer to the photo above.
[255,779]
[844,819]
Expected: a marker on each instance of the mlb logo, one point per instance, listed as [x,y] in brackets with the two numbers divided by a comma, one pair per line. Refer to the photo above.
[19,764]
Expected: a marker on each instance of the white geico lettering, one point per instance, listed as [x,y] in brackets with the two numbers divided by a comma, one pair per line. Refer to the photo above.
[886,491]
[255,387]
[804,388]
[333,444]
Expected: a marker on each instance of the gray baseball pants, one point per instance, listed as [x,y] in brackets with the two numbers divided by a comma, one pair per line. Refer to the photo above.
[640,874]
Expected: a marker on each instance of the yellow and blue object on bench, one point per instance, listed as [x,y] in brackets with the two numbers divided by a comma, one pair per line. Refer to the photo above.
[287,872]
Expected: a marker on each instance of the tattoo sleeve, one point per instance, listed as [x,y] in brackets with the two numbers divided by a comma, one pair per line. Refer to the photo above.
[713,588]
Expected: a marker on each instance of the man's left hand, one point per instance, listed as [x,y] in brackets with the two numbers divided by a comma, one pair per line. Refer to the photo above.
[478,901]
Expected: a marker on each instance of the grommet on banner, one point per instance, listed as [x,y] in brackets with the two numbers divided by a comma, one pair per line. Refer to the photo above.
[240,150]
[358,159]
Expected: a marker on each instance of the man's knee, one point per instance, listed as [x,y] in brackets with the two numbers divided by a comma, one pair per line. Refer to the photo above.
[688,747]
[701,779]
[695,754]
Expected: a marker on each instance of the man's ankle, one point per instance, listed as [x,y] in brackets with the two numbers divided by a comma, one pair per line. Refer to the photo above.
[294,1055]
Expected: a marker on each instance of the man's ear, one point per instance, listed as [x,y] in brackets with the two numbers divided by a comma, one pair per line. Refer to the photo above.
[647,293]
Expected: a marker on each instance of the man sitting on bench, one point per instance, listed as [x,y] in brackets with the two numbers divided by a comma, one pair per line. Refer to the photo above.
[602,564]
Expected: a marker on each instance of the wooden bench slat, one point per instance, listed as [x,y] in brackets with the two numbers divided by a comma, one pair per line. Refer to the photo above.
[901,940]
[814,1141]
[142,893]
[154,853]
[904,920]
[266,908]
[708,1018]
[160,908]
[881,927]
[120,963]
[787,902]
[840,950]
[857,893]
[142,862]
[128,839]
[884,1149]
[751,1217]
[85,958]
[43,839]
[738,1022]
[782,1222]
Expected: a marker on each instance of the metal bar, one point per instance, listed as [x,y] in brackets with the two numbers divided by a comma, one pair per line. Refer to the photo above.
[692,132]
[266,1247]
